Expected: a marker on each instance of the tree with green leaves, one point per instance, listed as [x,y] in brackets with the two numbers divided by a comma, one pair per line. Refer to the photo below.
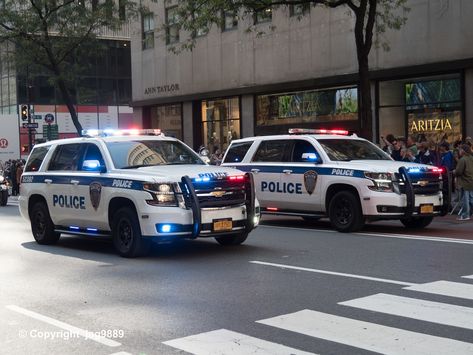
[370,17]
[52,36]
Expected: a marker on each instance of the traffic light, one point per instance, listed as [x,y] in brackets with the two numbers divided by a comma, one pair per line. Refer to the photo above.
[24,112]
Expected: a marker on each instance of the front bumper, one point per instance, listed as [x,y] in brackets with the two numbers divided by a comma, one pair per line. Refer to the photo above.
[385,205]
[195,221]
[166,222]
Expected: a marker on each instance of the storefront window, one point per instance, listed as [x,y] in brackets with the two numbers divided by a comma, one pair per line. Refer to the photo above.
[168,118]
[427,108]
[318,106]
[221,123]
[434,109]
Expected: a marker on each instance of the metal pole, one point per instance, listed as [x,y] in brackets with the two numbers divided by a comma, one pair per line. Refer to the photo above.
[30,138]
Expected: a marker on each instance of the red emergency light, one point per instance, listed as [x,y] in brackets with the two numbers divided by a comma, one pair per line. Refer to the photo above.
[342,132]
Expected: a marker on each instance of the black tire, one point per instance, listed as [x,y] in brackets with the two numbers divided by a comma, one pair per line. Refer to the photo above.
[311,219]
[4,198]
[345,212]
[236,239]
[417,222]
[126,233]
[42,226]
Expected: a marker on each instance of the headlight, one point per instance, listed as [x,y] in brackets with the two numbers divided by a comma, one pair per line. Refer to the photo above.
[163,194]
[383,182]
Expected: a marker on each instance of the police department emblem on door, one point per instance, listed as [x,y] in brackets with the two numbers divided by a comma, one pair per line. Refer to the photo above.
[95,189]
[310,179]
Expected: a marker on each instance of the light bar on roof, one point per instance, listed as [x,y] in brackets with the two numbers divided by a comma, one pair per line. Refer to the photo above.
[342,132]
[121,132]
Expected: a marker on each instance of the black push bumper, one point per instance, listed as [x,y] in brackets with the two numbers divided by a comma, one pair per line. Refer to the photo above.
[192,201]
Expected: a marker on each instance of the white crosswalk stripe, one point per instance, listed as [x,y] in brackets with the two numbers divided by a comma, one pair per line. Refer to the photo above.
[445,288]
[227,342]
[365,335]
[356,333]
[434,312]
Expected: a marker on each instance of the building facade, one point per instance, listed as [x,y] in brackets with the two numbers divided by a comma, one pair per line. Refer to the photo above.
[101,95]
[298,68]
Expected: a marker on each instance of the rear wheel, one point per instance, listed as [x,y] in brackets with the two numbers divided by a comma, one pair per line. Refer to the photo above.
[42,226]
[417,222]
[126,233]
[236,239]
[345,212]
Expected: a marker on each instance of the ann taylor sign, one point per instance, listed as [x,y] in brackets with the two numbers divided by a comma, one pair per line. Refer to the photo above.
[162,89]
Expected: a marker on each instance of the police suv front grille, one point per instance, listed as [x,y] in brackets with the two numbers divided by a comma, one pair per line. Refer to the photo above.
[423,183]
[220,193]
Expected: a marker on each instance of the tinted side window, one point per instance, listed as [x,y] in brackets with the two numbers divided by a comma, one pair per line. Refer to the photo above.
[237,152]
[66,157]
[93,153]
[301,147]
[36,158]
[272,151]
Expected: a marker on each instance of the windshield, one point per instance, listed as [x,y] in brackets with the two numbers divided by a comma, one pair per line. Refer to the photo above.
[350,149]
[136,154]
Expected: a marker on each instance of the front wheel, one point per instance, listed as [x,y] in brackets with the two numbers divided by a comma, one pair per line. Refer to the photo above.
[42,226]
[126,234]
[417,222]
[236,239]
[345,212]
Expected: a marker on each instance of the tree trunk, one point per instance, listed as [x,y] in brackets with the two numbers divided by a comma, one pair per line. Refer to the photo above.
[70,105]
[366,114]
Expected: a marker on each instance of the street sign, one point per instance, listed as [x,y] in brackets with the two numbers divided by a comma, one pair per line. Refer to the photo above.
[30,125]
[37,117]
[51,131]
[49,118]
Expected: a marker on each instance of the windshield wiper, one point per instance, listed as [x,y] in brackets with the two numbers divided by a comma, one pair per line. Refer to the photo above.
[138,166]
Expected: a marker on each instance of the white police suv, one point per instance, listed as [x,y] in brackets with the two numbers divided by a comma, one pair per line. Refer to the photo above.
[134,188]
[321,173]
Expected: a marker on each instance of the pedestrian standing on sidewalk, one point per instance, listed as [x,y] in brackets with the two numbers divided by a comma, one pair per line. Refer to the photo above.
[464,175]
[19,172]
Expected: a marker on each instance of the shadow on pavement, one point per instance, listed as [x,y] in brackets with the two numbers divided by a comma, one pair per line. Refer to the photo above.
[445,227]
[102,250]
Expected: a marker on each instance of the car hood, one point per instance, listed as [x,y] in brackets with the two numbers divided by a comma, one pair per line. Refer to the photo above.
[174,173]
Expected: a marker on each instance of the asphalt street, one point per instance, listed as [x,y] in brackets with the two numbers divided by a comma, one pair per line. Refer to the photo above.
[292,288]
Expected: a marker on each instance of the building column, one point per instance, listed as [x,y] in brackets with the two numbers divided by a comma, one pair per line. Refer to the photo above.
[247,116]
[468,103]
[187,123]
[374,131]
[136,121]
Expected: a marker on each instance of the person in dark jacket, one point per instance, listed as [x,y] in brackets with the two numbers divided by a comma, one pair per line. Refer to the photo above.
[446,156]
[464,175]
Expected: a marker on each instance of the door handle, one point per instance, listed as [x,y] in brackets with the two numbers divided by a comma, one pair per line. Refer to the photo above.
[287,172]
[256,171]
[75,182]
[48,181]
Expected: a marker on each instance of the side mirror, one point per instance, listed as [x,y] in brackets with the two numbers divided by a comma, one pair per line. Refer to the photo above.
[94,166]
[310,157]
[204,152]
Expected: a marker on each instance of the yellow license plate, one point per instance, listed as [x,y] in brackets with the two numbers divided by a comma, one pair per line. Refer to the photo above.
[223,225]
[426,209]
